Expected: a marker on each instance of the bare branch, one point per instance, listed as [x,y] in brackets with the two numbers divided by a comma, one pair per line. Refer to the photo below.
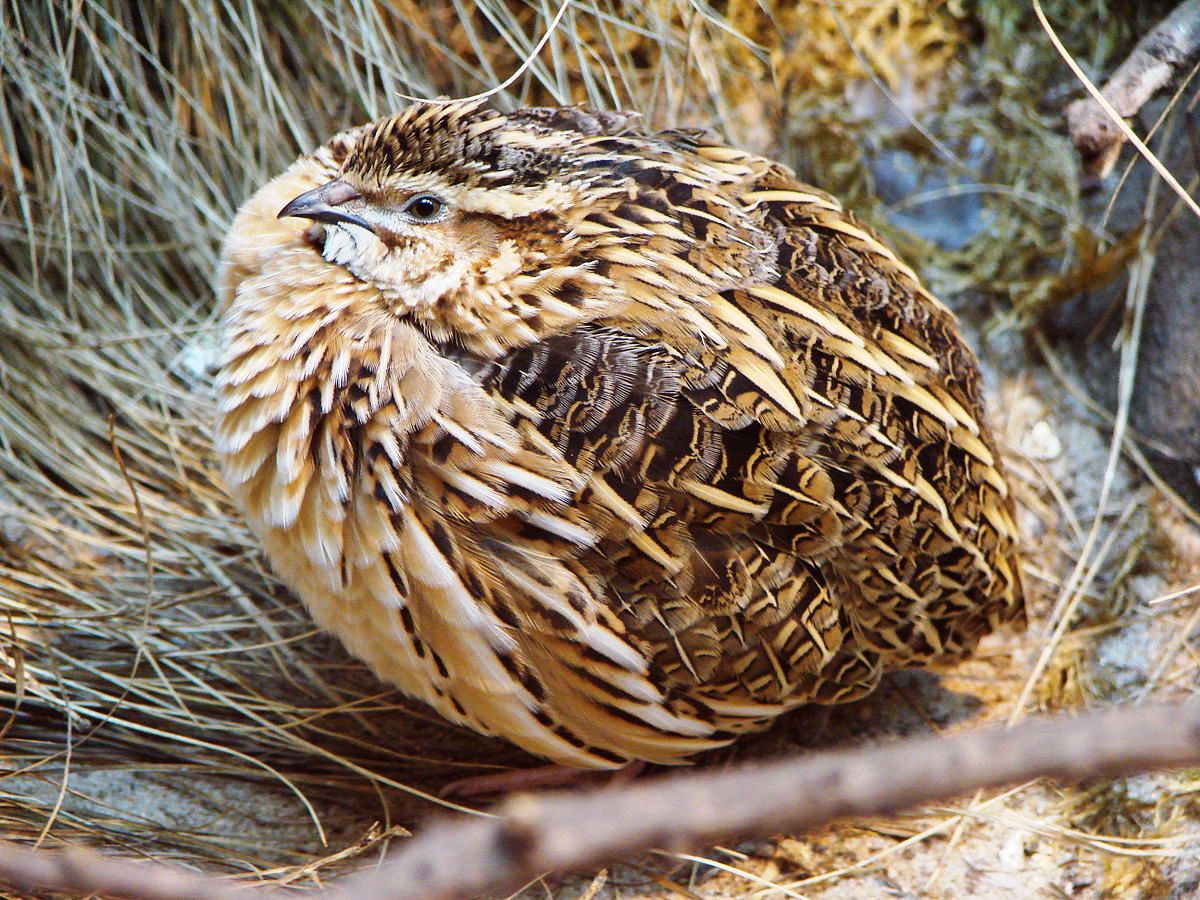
[1172,45]
[78,871]
[548,833]
[561,832]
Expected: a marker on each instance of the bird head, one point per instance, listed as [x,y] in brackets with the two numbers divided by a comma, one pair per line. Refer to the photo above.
[450,207]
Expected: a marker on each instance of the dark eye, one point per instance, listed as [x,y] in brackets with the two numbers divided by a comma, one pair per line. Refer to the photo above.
[424,208]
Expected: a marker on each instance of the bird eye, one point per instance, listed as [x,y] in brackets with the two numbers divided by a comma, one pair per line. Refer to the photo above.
[424,208]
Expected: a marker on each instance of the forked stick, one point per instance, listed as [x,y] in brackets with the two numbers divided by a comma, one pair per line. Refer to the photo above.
[1171,47]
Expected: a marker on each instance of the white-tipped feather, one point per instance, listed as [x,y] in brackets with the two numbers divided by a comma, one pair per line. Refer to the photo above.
[473,487]
[425,562]
[592,634]
[530,481]
[559,526]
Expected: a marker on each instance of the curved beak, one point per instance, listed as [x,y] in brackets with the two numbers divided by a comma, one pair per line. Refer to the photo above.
[324,204]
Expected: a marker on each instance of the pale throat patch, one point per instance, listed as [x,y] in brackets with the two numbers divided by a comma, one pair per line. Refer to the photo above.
[397,274]
[346,243]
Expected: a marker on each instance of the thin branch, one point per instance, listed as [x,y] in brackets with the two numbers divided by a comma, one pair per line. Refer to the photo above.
[75,870]
[1172,46]
[537,834]
[560,832]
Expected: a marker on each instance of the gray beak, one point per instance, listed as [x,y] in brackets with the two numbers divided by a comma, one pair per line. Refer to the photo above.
[323,204]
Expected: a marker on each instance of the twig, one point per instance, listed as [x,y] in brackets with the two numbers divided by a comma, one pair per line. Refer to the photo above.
[532,835]
[1173,45]
[1163,172]
[563,832]
[78,871]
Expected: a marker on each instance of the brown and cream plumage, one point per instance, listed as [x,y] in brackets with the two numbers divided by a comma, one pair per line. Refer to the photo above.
[614,443]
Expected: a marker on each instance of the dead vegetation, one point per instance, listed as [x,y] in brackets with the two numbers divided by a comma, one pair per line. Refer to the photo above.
[160,695]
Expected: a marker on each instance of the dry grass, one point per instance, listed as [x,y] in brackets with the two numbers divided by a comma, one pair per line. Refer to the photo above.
[161,694]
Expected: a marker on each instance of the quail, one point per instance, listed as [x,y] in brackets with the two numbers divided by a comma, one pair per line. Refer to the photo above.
[615,443]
